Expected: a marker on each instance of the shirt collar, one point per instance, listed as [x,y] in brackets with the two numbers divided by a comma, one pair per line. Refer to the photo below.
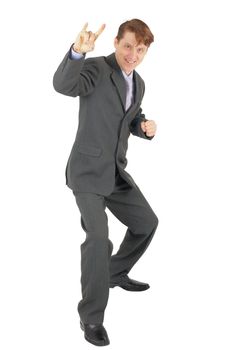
[126,76]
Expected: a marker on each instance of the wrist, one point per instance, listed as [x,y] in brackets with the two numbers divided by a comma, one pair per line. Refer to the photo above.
[77,50]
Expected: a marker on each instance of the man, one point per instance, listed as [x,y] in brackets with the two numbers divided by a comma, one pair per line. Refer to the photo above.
[110,92]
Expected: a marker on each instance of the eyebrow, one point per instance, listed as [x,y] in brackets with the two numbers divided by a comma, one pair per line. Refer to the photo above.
[139,46]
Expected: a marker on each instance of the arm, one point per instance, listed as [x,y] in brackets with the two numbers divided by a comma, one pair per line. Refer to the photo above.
[135,126]
[76,77]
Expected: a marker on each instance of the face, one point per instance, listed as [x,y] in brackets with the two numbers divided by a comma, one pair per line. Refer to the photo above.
[128,52]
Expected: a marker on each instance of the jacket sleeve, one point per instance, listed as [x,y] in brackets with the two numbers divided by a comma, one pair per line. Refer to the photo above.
[135,126]
[76,77]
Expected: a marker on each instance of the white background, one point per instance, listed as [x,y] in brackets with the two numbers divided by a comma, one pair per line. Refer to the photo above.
[182,173]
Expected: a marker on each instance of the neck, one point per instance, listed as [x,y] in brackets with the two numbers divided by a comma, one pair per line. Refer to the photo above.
[128,73]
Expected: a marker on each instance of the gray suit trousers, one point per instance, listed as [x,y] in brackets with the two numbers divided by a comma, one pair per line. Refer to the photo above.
[98,266]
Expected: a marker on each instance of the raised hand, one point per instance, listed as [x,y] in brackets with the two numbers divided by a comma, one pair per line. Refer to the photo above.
[85,40]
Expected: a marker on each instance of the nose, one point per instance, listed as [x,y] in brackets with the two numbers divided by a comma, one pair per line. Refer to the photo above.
[132,54]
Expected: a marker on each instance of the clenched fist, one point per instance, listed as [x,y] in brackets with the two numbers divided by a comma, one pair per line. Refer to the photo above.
[85,40]
[149,127]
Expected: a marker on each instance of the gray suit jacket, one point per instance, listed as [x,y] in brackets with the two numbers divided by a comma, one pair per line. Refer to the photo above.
[104,125]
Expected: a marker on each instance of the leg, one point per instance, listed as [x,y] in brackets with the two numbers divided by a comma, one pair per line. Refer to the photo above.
[95,254]
[132,209]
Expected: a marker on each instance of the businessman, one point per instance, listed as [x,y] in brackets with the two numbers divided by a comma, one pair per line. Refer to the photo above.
[110,92]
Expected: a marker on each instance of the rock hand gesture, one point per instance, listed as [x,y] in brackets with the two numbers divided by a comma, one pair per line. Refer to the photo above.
[85,40]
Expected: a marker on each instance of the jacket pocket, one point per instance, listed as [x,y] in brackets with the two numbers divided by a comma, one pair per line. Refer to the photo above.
[89,150]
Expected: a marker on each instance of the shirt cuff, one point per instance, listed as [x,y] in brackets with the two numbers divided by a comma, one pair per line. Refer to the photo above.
[76,55]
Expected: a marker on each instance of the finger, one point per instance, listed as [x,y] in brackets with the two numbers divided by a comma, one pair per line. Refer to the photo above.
[150,125]
[150,128]
[84,27]
[91,37]
[101,29]
[84,37]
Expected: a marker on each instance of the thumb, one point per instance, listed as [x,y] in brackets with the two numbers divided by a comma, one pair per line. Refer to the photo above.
[143,126]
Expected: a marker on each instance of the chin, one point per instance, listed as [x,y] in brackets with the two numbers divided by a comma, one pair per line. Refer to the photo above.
[130,68]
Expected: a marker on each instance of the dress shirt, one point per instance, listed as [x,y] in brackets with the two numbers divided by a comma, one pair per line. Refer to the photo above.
[129,89]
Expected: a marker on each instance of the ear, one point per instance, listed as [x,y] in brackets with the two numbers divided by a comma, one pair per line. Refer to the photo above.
[115,43]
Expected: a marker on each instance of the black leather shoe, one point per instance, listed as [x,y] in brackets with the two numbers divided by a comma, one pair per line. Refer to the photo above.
[129,284]
[95,333]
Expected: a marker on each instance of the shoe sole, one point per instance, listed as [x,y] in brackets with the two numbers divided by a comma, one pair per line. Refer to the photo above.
[134,290]
[103,343]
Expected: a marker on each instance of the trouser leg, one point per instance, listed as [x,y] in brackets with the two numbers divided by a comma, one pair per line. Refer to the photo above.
[95,255]
[132,209]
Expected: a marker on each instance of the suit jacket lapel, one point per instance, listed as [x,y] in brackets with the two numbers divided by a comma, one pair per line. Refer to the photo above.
[117,78]
[138,88]
[119,81]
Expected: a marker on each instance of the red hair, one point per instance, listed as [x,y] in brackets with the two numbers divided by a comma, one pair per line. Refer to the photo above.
[141,30]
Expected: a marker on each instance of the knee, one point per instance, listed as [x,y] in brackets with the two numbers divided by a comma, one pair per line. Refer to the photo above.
[156,221]
[98,234]
[95,229]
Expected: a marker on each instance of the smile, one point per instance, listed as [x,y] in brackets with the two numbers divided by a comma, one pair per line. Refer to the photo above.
[130,62]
